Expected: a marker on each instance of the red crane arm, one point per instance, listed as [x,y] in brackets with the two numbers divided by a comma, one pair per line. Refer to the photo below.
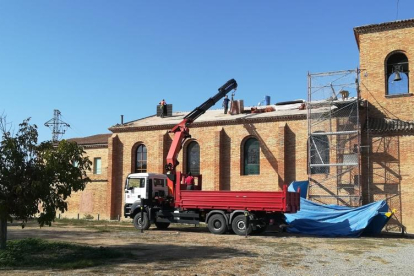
[181,131]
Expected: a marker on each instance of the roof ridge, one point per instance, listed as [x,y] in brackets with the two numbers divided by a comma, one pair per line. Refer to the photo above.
[397,24]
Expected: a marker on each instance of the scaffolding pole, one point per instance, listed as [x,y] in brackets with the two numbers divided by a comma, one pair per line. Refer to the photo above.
[334,137]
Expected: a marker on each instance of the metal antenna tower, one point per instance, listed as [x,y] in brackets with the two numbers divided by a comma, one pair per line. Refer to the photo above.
[57,125]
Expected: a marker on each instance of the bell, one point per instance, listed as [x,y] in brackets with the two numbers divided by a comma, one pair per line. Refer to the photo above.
[397,76]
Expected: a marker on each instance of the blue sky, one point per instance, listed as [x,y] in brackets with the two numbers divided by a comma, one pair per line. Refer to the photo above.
[95,60]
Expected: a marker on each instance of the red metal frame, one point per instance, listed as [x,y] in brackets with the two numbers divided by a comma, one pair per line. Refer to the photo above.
[181,132]
[283,201]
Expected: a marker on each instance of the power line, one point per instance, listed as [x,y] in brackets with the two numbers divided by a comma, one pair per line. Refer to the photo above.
[398,1]
[72,127]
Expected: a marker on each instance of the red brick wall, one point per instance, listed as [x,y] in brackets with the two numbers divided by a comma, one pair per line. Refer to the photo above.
[93,199]
[220,156]
[374,49]
[387,171]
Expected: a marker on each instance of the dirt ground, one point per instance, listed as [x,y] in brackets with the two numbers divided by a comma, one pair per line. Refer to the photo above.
[194,251]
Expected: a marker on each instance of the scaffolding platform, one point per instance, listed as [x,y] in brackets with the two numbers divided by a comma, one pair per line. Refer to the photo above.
[334,138]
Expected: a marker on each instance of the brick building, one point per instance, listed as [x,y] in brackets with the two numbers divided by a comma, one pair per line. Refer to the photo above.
[387,163]
[263,151]
[92,200]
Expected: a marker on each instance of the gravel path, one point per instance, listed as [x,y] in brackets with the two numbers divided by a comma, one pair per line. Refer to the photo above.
[194,251]
[394,258]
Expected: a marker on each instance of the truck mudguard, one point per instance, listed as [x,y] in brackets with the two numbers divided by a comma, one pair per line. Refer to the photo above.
[136,205]
[235,213]
[218,212]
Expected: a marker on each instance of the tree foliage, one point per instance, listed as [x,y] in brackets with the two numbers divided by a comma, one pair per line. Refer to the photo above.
[36,179]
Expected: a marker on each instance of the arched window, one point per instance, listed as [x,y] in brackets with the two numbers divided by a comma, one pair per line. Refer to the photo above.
[141,159]
[397,74]
[193,158]
[319,154]
[251,157]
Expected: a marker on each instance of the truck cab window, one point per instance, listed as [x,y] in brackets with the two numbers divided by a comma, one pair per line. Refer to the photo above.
[159,182]
[136,183]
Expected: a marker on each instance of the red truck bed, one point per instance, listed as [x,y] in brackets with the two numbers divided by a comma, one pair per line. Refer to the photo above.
[283,201]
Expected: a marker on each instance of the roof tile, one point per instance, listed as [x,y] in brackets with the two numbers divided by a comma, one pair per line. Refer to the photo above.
[99,139]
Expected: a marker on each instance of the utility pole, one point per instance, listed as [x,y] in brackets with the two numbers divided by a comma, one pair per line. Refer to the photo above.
[57,125]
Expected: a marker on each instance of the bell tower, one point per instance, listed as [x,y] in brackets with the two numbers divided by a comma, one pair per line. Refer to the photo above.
[386,53]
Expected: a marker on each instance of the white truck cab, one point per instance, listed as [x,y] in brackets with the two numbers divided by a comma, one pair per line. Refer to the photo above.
[144,186]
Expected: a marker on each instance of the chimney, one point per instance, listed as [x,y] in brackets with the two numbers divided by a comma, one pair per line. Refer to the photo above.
[122,119]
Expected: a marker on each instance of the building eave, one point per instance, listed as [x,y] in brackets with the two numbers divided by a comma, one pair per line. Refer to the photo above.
[95,146]
[238,121]
[389,126]
[387,26]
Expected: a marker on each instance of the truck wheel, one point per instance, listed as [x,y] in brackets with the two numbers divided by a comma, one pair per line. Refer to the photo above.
[162,225]
[141,224]
[217,224]
[239,226]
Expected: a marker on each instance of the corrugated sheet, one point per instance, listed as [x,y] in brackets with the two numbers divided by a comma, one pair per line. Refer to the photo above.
[384,125]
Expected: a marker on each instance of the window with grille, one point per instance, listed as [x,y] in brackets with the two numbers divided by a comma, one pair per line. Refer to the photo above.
[141,159]
[319,151]
[251,157]
[193,158]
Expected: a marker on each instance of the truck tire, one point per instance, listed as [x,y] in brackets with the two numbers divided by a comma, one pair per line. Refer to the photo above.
[239,226]
[141,224]
[162,225]
[217,224]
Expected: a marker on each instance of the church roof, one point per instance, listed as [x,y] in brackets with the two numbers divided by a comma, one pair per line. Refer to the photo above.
[387,26]
[210,117]
[294,111]
[99,140]
[372,28]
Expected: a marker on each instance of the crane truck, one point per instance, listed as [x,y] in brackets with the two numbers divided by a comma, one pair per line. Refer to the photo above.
[163,199]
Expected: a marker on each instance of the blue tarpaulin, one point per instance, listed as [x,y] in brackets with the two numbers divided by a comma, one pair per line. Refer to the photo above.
[333,220]
[302,185]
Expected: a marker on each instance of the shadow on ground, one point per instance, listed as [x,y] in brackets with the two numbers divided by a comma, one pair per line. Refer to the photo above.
[143,252]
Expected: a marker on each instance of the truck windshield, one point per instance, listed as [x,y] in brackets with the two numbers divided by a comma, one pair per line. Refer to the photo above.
[136,183]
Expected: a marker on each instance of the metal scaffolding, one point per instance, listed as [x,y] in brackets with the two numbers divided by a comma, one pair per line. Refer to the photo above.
[334,138]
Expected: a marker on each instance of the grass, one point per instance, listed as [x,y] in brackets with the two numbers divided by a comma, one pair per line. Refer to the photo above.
[105,226]
[84,222]
[42,254]
[100,226]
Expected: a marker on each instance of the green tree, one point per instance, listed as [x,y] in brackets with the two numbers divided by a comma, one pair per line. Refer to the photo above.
[36,179]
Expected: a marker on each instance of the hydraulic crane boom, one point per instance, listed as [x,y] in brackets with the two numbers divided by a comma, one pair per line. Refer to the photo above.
[181,131]
[198,111]
[183,200]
